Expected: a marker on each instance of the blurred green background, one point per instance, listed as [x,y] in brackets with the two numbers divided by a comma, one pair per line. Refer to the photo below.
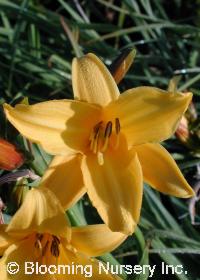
[36,51]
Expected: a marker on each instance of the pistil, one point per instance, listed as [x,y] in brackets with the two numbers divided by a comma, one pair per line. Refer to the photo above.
[100,158]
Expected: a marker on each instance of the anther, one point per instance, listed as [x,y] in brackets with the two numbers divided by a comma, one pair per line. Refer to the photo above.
[55,247]
[94,137]
[56,239]
[107,134]
[95,143]
[117,130]
[96,128]
[117,126]
[108,130]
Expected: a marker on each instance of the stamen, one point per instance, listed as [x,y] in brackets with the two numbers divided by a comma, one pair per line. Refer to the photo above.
[38,244]
[44,249]
[92,141]
[94,137]
[107,134]
[39,236]
[117,126]
[56,239]
[97,126]
[100,137]
[55,247]
[105,145]
[100,158]
[117,142]
[108,130]
[117,130]
[96,141]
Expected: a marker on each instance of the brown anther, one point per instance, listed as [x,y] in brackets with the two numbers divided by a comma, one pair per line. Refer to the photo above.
[94,137]
[117,126]
[97,128]
[39,236]
[55,247]
[56,239]
[108,130]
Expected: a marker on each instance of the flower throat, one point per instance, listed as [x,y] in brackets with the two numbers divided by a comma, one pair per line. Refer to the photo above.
[100,138]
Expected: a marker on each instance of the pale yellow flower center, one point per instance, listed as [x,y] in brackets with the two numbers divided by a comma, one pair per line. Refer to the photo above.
[103,136]
[47,243]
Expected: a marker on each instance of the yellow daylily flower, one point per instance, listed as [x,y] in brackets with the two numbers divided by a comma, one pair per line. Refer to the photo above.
[40,240]
[104,142]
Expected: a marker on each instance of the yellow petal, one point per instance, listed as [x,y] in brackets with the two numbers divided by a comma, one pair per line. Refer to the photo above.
[40,212]
[18,254]
[59,178]
[5,239]
[93,269]
[96,240]
[148,114]
[61,127]
[115,188]
[92,82]
[161,171]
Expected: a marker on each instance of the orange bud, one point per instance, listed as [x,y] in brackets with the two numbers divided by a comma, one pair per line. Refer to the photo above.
[10,158]
[182,132]
[121,65]
[191,113]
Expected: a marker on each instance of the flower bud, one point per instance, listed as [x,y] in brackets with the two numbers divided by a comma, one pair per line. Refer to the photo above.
[121,65]
[10,158]
[182,132]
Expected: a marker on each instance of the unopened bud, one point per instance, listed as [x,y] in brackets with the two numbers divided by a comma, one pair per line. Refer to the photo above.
[121,65]
[10,158]
[182,132]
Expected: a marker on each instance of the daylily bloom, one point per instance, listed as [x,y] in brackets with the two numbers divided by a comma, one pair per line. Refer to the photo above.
[106,142]
[39,234]
[10,158]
